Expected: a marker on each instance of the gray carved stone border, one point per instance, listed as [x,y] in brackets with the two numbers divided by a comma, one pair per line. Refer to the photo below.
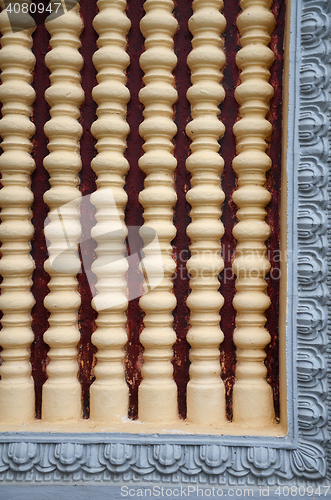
[300,458]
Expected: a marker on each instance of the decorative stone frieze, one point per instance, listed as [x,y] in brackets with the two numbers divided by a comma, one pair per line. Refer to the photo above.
[170,463]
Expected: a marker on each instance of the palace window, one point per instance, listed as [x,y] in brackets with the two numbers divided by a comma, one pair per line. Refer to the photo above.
[164,242]
[135,105]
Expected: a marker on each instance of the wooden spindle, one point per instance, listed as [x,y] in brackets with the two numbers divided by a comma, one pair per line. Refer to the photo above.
[62,391]
[17,63]
[252,396]
[109,392]
[157,401]
[205,390]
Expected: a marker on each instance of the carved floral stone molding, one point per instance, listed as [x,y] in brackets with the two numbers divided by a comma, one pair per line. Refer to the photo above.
[301,457]
[213,464]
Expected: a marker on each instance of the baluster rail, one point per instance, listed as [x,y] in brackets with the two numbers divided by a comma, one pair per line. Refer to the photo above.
[205,390]
[252,395]
[17,401]
[109,392]
[62,390]
[158,391]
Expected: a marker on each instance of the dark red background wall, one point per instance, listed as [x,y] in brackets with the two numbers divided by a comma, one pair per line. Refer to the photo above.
[134,184]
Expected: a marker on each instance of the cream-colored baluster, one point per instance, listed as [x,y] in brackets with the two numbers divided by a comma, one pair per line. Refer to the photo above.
[62,391]
[109,392]
[157,391]
[16,231]
[205,390]
[252,396]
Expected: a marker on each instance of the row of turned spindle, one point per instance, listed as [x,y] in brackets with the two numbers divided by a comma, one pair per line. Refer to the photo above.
[61,400]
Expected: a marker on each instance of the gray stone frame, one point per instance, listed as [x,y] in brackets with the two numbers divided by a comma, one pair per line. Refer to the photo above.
[301,458]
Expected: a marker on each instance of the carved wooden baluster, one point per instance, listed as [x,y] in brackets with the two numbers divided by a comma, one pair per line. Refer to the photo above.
[62,391]
[205,390]
[109,392]
[16,231]
[158,392]
[252,396]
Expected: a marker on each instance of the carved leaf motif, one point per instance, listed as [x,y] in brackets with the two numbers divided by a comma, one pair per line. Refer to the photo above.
[190,466]
[312,413]
[315,25]
[92,463]
[312,125]
[311,366]
[116,456]
[312,319]
[213,459]
[309,461]
[285,470]
[311,178]
[44,464]
[21,456]
[67,456]
[141,463]
[262,461]
[167,458]
[311,224]
[313,77]
[238,467]
[311,270]
[4,465]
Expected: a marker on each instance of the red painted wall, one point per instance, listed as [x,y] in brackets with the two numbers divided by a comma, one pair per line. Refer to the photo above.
[134,184]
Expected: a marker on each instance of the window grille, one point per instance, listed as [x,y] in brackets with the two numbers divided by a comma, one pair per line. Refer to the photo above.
[109,121]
